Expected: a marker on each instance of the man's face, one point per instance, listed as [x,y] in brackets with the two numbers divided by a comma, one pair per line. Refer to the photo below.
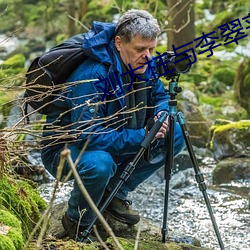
[135,52]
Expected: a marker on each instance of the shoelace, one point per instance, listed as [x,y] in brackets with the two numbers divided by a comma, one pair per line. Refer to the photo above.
[127,203]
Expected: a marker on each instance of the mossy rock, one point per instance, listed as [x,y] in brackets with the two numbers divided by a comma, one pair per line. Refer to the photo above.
[21,199]
[11,237]
[231,139]
[150,235]
[219,107]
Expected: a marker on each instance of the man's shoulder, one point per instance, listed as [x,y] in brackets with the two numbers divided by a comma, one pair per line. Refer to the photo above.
[89,69]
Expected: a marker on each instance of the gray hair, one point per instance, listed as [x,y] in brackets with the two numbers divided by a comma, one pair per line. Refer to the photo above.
[137,22]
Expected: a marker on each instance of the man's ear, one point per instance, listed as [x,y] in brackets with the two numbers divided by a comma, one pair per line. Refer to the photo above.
[118,42]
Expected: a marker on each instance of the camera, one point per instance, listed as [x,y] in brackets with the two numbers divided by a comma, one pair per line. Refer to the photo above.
[171,65]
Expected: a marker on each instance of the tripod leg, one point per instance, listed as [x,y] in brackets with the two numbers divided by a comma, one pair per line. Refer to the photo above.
[199,176]
[168,173]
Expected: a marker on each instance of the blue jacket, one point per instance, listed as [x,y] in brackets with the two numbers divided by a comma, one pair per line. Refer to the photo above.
[88,116]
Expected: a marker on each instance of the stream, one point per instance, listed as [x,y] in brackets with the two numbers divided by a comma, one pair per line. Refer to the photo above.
[187,212]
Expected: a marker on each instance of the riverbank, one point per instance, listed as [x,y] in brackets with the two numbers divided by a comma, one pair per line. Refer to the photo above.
[188,216]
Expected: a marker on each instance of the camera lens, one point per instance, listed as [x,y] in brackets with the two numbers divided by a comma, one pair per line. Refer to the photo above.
[171,65]
[181,63]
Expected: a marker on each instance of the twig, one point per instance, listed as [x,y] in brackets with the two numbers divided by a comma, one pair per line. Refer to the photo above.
[66,154]
[77,21]
[137,236]
[99,238]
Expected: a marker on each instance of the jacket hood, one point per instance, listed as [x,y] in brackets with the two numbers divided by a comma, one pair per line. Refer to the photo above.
[98,42]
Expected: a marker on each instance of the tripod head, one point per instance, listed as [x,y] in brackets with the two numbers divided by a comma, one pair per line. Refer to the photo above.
[174,89]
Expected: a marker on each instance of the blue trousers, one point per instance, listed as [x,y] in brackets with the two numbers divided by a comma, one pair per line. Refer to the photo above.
[100,170]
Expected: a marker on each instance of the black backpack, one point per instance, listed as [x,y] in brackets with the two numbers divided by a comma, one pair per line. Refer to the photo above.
[48,73]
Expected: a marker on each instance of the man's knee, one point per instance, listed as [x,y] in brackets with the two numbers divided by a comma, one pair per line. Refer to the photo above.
[97,165]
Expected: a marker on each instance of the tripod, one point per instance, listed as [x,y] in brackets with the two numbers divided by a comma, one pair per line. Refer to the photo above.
[169,163]
[173,90]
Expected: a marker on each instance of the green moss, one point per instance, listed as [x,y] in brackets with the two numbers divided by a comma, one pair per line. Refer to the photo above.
[239,128]
[16,61]
[6,243]
[214,101]
[224,75]
[235,125]
[22,200]
[13,71]
[128,244]
[13,239]
[9,219]
[16,237]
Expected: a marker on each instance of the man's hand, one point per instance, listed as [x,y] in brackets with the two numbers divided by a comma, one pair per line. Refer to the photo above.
[164,128]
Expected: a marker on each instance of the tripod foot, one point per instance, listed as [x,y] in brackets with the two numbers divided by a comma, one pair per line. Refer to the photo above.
[164,232]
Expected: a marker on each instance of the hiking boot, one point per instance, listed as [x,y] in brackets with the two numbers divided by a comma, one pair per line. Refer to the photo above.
[121,211]
[75,231]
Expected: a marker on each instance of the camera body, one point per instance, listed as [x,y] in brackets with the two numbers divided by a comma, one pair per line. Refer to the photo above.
[171,65]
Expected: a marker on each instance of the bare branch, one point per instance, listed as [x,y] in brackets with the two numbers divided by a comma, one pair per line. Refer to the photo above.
[77,21]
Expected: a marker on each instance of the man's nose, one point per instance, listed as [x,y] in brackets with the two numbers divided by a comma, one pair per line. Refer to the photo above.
[147,54]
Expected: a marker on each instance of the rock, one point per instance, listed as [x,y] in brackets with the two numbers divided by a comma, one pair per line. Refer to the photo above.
[197,125]
[227,110]
[181,179]
[230,143]
[231,139]
[188,95]
[231,169]
[149,238]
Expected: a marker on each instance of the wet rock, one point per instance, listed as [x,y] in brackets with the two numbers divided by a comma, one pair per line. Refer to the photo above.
[181,179]
[231,169]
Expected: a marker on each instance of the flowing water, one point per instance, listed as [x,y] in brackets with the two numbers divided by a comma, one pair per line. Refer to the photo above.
[187,212]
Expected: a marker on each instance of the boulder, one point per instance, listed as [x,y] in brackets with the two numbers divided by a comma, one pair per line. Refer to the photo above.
[231,169]
[149,238]
[197,125]
[230,143]
[230,140]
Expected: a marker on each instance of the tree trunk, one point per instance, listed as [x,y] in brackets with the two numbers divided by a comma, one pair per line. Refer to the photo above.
[83,7]
[181,28]
[71,6]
